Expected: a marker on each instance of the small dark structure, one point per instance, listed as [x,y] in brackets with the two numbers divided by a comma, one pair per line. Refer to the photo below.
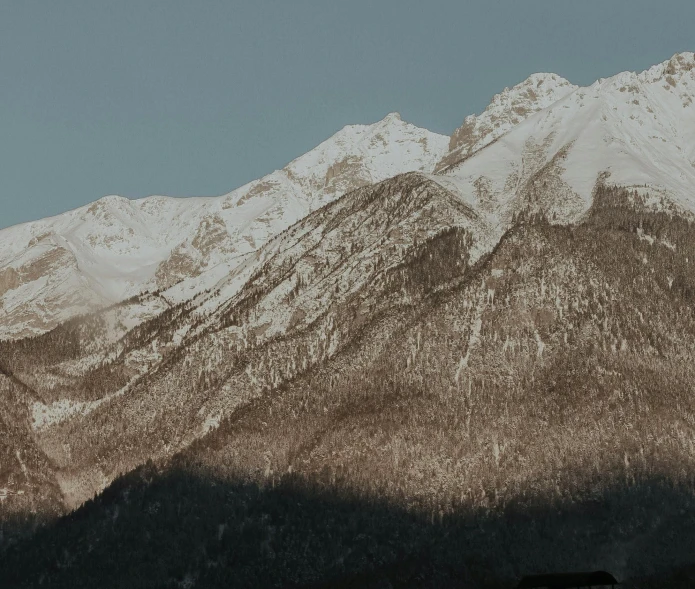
[568,580]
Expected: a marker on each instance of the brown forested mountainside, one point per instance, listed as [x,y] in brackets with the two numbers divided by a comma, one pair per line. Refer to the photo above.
[551,377]
[171,379]
[561,365]
[29,493]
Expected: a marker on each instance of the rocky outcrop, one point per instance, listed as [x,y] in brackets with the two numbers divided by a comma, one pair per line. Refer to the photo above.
[9,279]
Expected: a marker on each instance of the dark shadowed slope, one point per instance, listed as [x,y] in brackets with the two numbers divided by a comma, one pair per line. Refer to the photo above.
[157,528]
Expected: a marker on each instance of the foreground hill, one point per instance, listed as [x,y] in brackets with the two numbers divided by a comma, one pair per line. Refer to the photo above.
[531,412]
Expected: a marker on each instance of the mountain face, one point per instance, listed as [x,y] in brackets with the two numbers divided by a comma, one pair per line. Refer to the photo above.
[295,311]
[436,379]
[53,269]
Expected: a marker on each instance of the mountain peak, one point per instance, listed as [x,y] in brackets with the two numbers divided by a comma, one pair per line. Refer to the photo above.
[535,93]
[113,200]
[391,117]
[637,128]
[538,80]
[506,110]
[364,154]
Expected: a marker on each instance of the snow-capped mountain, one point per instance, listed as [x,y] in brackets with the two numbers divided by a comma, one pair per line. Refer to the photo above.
[542,140]
[506,110]
[634,130]
[76,262]
[509,340]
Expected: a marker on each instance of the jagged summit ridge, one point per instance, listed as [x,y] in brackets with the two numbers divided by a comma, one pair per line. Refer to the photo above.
[679,64]
[506,110]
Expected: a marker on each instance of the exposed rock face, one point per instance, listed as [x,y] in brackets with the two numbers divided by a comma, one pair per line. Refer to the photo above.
[210,244]
[9,279]
[346,170]
[680,63]
[42,287]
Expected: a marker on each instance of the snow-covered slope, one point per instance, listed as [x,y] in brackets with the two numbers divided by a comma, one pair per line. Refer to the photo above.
[629,130]
[506,110]
[540,146]
[55,268]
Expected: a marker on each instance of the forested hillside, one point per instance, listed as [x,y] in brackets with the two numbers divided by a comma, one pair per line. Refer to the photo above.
[530,413]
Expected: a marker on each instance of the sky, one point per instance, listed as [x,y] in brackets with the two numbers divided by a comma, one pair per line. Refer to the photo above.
[196,98]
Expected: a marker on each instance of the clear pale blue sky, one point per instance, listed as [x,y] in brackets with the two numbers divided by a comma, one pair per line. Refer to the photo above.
[140,97]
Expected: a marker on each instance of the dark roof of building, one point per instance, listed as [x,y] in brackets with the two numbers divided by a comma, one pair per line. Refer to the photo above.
[567,580]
